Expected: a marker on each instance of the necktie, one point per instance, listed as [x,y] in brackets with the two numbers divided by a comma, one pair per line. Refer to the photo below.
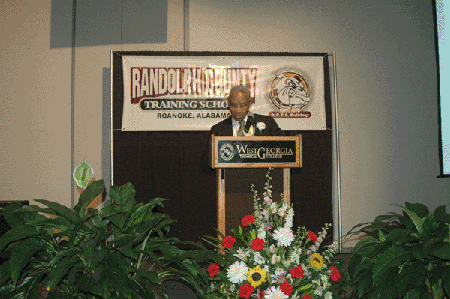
[240,132]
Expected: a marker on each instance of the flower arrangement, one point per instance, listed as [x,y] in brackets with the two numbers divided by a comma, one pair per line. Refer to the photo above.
[264,259]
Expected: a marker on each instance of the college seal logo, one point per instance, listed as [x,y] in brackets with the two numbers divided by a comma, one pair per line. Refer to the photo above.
[290,93]
[226,151]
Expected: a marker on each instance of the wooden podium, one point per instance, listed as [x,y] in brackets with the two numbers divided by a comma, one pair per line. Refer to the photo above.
[242,161]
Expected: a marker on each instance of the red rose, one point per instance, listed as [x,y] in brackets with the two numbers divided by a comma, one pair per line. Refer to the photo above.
[257,244]
[297,272]
[228,241]
[312,236]
[245,290]
[306,296]
[213,269]
[286,288]
[335,273]
[249,219]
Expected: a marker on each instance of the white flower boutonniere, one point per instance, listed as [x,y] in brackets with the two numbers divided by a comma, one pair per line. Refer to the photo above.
[261,126]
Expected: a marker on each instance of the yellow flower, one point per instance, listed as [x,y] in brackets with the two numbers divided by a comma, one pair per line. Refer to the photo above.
[317,260]
[256,276]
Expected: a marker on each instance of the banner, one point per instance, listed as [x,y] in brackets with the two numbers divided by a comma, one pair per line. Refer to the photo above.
[188,93]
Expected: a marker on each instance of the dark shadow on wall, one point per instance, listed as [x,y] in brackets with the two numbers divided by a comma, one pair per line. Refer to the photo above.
[100,22]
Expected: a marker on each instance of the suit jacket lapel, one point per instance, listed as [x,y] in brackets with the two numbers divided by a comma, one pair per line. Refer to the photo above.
[229,127]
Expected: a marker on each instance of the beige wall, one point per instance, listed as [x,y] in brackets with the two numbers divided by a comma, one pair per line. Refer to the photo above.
[92,77]
[35,84]
[387,87]
[386,69]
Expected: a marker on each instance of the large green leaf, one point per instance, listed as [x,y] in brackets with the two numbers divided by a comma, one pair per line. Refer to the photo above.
[128,251]
[21,253]
[446,280]
[87,196]
[27,289]
[386,219]
[86,283]
[92,191]
[140,289]
[419,209]
[366,246]
[157,201]
[441,251]
[93,252]
[364,284]
[17,233]
[170,251]
[57,222]
[61,269]
[67,252]
[418,252]
[430,226]
[151,276]
[5,272]
[122,195]
[386,286]
[441,215]
[61,210]
[115,273]
[391,258]
[119,219]
[144,212]
[12,218]
[410,277]
[418,222]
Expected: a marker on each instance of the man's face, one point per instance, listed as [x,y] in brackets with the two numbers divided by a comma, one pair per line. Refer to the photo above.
[239,104]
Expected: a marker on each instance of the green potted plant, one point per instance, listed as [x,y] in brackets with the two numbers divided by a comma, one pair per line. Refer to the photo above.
[403,256]
[119,251]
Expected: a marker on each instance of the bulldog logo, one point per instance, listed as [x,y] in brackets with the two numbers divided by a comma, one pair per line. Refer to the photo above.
[289,92]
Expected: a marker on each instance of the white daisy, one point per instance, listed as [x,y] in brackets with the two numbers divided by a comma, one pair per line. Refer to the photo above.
[241,254]
[273,208]
[272,248]
[275,293]
[289,218]
[276,259]
[279,276]
[262,233]
[319,288]
[286,263]
[318,291]
[259,259]
[282,210]
[237,272]
[328,295]
[284,236]
[295,257]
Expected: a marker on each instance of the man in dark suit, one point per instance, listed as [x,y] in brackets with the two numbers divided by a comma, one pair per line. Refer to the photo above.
[242,122]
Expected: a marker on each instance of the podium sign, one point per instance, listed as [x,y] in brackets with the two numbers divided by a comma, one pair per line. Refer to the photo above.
[256,152]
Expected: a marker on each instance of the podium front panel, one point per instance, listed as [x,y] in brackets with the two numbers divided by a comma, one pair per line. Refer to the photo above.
[239,196]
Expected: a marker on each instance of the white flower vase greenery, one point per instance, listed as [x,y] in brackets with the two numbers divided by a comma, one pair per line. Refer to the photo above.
[264,258]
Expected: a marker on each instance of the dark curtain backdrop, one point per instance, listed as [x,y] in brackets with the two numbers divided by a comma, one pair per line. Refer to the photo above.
[169,165]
